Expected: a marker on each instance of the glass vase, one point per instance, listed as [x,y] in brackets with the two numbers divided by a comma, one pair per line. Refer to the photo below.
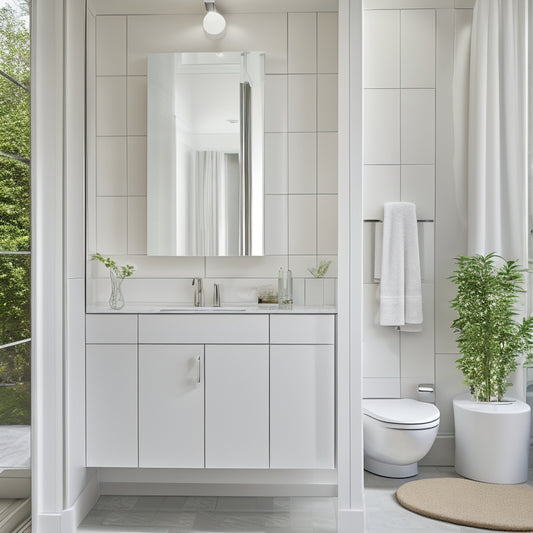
[285,289]
[116,300]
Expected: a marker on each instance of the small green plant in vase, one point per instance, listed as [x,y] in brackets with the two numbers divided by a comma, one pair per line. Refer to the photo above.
[321,270]
[117,274]
[490,339]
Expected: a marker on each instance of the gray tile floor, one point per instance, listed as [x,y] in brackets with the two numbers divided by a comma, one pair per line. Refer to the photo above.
[180,514]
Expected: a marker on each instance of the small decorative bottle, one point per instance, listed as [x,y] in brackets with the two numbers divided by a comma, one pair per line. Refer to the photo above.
[285,289]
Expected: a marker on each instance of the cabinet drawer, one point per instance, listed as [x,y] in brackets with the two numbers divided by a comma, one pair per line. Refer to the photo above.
[204,329]
[302,329]
[111,329]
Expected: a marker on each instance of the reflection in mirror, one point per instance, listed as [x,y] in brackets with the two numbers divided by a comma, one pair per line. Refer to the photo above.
[205,154]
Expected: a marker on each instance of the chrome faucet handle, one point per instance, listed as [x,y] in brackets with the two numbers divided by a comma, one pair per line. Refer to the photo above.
[198,292]
[216,295]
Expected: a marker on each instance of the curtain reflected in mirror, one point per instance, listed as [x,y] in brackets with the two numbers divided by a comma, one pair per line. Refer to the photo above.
[216,201]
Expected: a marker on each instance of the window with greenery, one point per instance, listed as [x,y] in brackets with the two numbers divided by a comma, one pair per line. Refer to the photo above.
[15,259]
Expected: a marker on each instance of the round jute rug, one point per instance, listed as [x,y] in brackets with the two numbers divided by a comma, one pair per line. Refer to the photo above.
[470,503]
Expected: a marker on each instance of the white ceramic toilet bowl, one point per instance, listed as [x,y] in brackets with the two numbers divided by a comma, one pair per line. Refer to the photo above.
[397,432]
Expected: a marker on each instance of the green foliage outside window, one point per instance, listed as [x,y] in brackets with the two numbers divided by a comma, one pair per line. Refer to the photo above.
[15,269]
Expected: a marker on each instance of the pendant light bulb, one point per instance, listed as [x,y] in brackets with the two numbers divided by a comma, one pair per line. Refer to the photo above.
[214,23]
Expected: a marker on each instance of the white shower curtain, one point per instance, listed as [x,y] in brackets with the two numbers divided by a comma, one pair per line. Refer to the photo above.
[497,130]
[210,189]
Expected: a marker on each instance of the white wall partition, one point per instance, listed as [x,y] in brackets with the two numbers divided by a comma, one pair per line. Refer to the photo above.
[63,488]
[349,372]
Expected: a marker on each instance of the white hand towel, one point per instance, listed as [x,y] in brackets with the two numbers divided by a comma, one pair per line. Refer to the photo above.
[401,285]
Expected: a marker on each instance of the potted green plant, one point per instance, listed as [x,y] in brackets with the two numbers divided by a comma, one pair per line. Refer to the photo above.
[490,340]
[314,287]
[117,274]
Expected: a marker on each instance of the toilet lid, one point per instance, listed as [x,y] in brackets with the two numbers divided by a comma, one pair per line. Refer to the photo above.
[401,411]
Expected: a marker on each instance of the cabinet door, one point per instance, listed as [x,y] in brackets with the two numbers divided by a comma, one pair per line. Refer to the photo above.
[236,415]
[171,406]
[302,406]
[111,389]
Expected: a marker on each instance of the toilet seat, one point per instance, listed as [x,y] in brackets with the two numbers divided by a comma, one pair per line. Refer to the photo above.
[402,413]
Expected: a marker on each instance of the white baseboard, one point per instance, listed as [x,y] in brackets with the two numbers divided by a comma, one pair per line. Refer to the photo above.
[351,521]
[69,519]
[216,489]
[47,522]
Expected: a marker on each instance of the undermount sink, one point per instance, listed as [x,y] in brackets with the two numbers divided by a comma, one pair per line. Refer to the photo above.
[205,309]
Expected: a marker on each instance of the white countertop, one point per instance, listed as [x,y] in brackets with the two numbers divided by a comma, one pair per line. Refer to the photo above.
[168,308]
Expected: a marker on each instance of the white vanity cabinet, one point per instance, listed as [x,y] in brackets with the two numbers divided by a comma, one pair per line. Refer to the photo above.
[302,391]
[236,406]
[171,406]
[253,390]
[111,390]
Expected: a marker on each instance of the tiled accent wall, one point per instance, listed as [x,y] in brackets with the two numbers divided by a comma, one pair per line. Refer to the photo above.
[408,156]
[300,153]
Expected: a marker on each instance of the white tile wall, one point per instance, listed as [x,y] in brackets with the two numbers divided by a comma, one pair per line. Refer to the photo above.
[409,155]
[137,166]
[450,227]
[382,49]
[327,224]
[136,105]
[327,57]
[112,224]
[381,183]
[448,384]
[276,224]
[302,163]
[111,46]
[381,126]
[302,102]
[137,225]
[302,224]
[381,345]
[299,265]
[327,162]
[276,163]
[275,103]
[110,105]
[426,240]
[111,166]
[302,40]
[418,48]
[327,112]
[300,151]
[381,387]
[418,126]
[418,186]
[245,31]
[418,349]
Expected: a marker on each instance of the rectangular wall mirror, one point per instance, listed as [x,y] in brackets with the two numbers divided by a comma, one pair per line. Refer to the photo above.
[205,154]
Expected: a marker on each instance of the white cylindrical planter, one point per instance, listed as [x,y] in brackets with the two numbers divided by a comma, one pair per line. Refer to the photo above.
[492,440]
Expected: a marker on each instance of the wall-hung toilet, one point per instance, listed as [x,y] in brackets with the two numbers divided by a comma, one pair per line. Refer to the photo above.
[397,432]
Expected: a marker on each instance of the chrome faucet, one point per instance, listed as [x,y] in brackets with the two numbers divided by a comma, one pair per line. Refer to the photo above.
[198,292]
[216,295]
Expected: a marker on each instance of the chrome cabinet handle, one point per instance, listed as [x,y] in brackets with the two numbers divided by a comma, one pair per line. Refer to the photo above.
[199,361]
